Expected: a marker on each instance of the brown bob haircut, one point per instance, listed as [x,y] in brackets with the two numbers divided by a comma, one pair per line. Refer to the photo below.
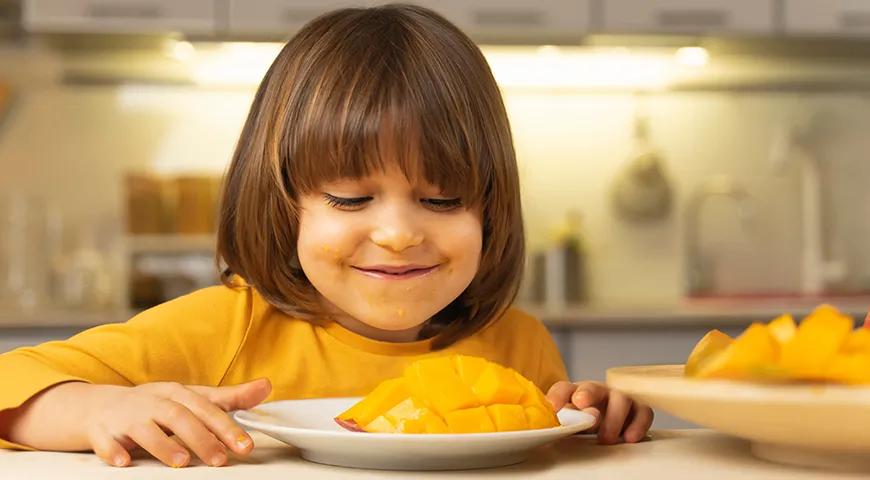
[349,89]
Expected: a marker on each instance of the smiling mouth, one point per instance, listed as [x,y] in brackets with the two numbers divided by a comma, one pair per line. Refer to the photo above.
[397,273]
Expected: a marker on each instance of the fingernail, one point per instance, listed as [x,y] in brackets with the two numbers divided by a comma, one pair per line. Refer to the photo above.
[581,397]
[120,461]
[218,459]
[178,460]
[243,442]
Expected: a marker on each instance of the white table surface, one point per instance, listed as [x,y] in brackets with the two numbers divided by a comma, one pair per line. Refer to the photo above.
[673,454]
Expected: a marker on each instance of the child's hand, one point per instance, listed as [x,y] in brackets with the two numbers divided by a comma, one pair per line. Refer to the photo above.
[614,411]
[125,417]
[111,420]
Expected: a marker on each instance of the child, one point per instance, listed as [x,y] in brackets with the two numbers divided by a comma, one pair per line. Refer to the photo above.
[370,217]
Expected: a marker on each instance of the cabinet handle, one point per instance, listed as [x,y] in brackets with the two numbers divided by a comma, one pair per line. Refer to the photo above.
[854,20]
[515,18]
[301,15]
[693,18]
[98,10]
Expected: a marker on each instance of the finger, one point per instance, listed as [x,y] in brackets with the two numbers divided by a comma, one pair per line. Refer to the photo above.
[617,410]
[237,397]
[560,394]
[640,424]
[107,448]
[590,394]
[190,430]
[595,413]
[151,438]
[215,420]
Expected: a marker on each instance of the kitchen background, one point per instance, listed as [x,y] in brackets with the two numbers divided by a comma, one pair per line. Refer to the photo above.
[708,156]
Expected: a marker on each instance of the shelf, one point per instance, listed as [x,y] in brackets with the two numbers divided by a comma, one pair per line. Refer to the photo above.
[170,244]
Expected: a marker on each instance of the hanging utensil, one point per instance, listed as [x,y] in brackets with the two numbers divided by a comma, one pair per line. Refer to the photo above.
[641,191]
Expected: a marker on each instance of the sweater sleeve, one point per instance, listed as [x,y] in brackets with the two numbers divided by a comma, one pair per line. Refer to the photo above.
[191,340]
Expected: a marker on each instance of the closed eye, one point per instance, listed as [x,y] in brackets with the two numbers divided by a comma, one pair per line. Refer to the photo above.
[346,203]
[440,204]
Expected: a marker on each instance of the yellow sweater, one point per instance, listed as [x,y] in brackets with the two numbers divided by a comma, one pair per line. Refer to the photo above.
[222,336]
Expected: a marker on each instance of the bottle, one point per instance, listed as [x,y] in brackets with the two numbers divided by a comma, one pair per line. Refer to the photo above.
[566,265]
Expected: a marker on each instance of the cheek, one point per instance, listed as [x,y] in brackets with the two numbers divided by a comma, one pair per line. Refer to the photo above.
[323,240]
[462,242]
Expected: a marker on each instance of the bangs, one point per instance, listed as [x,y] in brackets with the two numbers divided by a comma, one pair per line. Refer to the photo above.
[375,106]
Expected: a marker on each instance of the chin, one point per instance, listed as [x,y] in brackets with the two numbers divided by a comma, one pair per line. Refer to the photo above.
[393,321]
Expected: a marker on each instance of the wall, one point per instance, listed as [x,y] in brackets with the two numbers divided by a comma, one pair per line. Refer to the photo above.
[71,144]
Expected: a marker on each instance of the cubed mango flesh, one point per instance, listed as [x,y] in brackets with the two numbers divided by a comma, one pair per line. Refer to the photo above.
[452,394]
[824,347]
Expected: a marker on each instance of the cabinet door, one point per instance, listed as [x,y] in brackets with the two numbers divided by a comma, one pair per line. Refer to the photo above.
[829,17]
[689,16]
[280,17]
[120,16]
[518,16]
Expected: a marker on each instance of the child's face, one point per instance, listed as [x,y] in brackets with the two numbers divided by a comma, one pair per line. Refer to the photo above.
[386,253]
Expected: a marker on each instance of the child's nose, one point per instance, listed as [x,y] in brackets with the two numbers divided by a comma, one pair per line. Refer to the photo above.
[397,232]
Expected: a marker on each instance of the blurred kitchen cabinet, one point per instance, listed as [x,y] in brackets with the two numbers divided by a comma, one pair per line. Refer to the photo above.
[828,18]
[490,18]
[120,16]
[482,19]
[279,18]
[691,17]
[591,350]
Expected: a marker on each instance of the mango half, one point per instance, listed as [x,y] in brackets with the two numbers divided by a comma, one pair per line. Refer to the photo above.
[452,394]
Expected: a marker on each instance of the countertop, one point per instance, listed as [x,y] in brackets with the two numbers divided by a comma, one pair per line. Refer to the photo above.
[713,313]
[670,454]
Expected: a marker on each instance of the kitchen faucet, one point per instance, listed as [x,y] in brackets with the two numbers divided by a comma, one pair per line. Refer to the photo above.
[796,143]
[699,267]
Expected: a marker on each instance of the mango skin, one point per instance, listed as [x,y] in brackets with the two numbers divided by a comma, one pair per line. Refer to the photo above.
[824,348]
[452,394]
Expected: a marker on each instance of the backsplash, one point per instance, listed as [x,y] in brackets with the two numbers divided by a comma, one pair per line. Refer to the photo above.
[73,145]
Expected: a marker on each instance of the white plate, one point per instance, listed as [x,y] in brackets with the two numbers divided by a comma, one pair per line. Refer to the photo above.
[308,425]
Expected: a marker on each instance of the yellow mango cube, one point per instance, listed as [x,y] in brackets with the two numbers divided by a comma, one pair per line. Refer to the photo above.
[469,368]
[508,418]
[755,347]
[783,328]
[712,343]
[498,385]
[818,338]
[538,418]
[436,381]
[470,420]
[850,369]
[857,342]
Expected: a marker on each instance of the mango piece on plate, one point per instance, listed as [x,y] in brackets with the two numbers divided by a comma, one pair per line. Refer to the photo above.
[818,338]
[436,382]
[857,342]
[498,385]
[752,355]
[851,369]
[383,397]
[452,394]
[469,368]
[712,343]
[470,420]
[783,328]
[508,418]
